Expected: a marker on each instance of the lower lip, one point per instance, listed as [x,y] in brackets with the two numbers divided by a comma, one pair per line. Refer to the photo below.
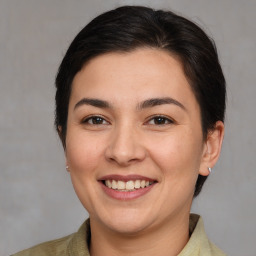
[126,195]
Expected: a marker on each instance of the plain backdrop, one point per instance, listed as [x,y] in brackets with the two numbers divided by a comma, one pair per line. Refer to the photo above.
[37,201]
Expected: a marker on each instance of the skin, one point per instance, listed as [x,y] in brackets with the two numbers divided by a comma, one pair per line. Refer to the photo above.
[130,140]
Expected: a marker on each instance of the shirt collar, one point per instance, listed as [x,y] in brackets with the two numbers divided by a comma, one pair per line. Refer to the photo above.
[198,243]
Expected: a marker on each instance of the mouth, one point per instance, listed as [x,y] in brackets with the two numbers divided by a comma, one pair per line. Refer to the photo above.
[126,187]
[130,185]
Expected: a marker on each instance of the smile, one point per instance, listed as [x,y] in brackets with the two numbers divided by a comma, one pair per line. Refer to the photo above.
[126,187]
[130,185]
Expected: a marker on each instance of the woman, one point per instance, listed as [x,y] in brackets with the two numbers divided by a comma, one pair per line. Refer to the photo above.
[140,106]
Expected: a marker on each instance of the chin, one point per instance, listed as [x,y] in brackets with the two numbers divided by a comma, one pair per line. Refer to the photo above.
[128,227]
[127,222]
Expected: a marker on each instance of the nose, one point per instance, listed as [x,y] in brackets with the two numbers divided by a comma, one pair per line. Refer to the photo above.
[125,147]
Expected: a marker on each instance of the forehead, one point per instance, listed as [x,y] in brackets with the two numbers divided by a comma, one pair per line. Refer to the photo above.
[137,74]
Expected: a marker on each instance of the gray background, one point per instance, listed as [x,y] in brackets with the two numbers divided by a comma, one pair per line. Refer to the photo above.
[37,202]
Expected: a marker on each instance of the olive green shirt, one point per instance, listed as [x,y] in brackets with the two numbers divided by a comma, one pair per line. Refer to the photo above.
[77,243]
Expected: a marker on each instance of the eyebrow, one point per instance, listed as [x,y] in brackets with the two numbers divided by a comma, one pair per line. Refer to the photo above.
[93,102]
[160,101]
[145,104]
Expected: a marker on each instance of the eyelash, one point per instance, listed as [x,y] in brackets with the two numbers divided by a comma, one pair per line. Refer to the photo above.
[160,118]
[95,118]
[98,120]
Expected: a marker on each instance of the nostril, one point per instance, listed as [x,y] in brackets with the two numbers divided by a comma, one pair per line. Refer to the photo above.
[125,149]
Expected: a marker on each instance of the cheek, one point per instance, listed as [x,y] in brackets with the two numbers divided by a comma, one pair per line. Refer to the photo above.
[178,158]
[83,153]
[178,154]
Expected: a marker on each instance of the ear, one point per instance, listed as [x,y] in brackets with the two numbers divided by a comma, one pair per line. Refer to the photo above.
[59,130]
[61,136]
[63,144]
[212,148]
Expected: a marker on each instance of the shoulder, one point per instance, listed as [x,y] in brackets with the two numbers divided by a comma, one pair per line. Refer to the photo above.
[54,247]
[75,244]
[199,244]
[215,251]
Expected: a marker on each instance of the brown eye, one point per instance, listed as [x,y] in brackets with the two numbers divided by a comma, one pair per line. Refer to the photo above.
[160,120]
[95,120]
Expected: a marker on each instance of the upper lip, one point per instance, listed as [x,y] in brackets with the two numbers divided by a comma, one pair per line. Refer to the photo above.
[125,178]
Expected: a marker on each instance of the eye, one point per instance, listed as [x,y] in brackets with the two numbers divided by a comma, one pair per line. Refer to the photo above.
[160,120]
[95,120]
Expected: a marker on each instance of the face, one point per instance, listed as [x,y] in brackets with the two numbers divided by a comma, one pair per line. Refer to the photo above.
[134,142]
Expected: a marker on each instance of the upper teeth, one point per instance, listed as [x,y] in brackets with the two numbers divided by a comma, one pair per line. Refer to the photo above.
[129,185]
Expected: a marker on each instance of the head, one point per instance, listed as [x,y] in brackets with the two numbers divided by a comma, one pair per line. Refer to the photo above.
[127,29]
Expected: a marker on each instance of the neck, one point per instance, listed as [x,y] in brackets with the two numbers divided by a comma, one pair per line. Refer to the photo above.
[167,240]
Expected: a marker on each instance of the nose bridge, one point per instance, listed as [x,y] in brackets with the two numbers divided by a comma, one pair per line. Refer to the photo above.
[125,145]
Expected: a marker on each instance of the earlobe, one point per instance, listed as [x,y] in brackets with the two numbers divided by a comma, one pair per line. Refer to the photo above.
[212,149]
[61,136]
[59,130]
